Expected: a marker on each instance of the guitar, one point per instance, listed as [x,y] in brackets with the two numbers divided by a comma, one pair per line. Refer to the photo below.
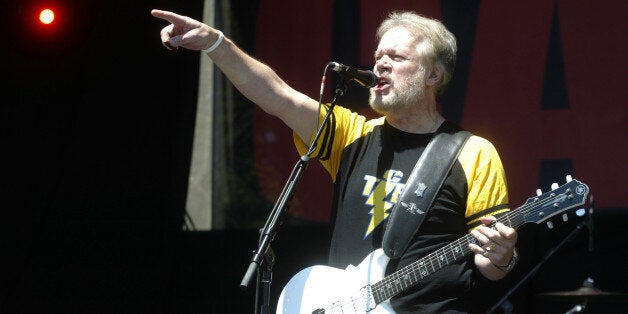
[365,288]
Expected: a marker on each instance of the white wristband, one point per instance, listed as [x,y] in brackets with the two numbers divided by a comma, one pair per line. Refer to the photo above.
[221,36]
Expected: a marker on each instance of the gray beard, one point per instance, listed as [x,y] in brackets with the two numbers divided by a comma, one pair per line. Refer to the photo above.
[399,102]
[402,100]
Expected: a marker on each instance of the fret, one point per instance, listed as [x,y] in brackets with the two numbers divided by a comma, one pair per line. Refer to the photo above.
[430,258]
[378,295]
[434,256]
[508,218]
[431,261]
[458,250]
[450,251]
[443,258]
[472,240]
[386,293]
[413,275]
[407,279]
[393,284]
[422,268]
[451,248]
[385,290]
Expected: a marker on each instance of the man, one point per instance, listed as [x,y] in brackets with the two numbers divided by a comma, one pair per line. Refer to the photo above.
[370,160]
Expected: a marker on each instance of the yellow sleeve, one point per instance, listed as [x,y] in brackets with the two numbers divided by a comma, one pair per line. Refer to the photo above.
[343,128]
[486,179]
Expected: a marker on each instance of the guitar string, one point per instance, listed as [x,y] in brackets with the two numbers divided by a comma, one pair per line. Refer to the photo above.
[437,255]
[516,216]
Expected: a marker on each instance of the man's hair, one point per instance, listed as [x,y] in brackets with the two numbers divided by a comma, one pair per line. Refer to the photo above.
[437,45]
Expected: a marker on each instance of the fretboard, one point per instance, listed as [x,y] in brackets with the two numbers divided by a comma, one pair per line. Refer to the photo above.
[410,275]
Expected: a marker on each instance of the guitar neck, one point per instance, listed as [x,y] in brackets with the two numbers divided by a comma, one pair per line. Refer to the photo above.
[410,275]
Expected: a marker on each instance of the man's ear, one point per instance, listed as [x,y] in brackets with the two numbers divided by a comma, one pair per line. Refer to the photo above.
[435,76]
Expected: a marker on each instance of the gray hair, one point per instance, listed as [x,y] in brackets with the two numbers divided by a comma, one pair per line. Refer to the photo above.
[437,45]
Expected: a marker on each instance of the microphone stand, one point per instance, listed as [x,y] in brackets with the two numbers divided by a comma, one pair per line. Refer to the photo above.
[537,267]
[583,224]
[263,258]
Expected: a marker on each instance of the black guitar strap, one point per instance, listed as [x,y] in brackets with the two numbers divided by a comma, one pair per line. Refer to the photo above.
[421,188]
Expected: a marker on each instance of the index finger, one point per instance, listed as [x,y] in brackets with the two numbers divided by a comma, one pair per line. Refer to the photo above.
[167,15]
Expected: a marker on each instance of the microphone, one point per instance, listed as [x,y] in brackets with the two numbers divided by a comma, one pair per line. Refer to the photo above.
[365,78]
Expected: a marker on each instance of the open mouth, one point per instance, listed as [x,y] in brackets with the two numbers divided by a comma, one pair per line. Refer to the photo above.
[382,83]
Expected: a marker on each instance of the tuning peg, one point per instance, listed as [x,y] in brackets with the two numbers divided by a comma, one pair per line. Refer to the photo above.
[550,225]
[539,192]
[554,186]
[565,217]
[568,178]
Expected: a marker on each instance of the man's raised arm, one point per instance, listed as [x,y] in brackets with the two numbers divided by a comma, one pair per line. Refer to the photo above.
[254,79]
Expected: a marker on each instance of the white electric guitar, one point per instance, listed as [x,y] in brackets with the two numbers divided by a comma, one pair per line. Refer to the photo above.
[365,288]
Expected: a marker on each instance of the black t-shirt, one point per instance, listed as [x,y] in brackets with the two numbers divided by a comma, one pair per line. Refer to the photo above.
[370,162]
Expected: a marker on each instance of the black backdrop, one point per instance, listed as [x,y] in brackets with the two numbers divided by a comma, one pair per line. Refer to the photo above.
[97,135]
[97,126]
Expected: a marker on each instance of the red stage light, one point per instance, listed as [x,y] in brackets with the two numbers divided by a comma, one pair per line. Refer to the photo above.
[46,16]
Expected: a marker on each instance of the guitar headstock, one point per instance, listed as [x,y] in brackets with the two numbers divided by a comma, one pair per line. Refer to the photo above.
[540,208]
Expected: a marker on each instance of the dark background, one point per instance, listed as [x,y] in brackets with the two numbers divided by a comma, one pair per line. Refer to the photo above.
[97,125]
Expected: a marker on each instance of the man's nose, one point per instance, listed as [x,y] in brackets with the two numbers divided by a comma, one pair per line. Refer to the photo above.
[383,64]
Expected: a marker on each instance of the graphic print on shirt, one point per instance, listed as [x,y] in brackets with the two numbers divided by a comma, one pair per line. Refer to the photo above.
[381,195]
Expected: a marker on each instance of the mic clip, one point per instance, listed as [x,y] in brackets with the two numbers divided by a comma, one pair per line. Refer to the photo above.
[365,78]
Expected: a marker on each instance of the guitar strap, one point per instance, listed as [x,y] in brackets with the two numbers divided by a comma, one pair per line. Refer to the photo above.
[420,191]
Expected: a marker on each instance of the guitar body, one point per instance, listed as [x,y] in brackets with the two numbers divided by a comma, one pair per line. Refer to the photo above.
[324,289]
